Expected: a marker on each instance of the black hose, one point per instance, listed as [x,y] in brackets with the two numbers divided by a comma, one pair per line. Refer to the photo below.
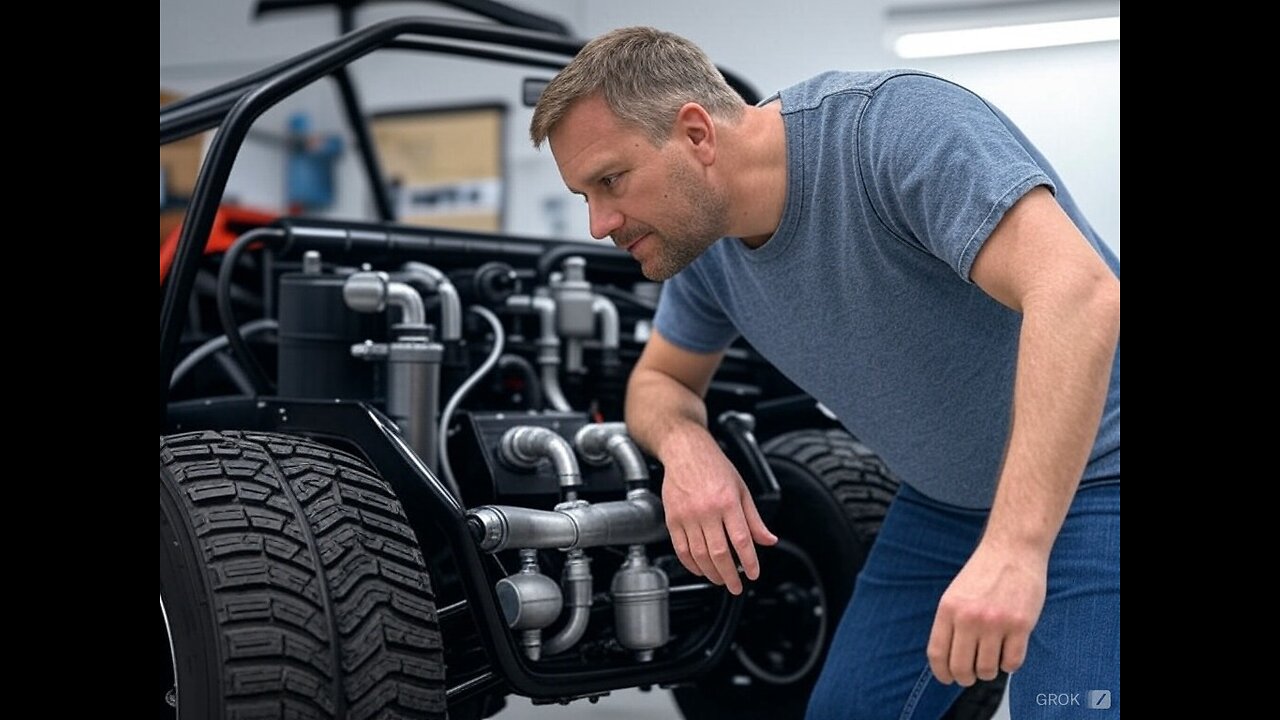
[257,376]
[610,256]
[214,346]
[533,386]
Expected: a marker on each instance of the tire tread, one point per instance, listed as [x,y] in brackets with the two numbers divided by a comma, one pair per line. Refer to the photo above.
[291,531]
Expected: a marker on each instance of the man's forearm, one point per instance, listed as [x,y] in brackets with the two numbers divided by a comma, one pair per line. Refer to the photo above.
[1065,354]
[664,416]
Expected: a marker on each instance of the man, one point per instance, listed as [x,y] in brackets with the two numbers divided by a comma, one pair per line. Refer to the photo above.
[898,249]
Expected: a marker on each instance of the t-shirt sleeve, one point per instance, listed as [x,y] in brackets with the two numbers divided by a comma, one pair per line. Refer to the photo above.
[689,315]
[941,167]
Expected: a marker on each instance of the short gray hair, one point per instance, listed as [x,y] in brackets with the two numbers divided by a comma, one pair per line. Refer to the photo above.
[645,75]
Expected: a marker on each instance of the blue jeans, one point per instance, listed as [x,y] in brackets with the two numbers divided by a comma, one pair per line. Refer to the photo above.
[877,666]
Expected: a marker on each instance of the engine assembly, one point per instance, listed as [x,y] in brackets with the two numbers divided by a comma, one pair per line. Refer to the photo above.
[526,458]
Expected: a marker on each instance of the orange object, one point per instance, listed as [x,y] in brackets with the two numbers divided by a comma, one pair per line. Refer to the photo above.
[228,223]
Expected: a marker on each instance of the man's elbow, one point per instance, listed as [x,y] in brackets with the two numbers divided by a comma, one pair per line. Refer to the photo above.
[1102,305]
[640,376]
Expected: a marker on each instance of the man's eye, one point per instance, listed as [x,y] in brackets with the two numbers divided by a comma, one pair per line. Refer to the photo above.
[610,180]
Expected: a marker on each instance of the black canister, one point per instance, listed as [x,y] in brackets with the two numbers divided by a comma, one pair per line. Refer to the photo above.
[317,330]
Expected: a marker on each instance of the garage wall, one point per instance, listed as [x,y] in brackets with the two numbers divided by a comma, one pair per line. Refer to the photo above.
[203,44]
[1067,100]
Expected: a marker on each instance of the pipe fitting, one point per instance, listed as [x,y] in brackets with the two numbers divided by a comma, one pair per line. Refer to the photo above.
[598,443]
[450,304]
[370,291]
[548,345]
[576,582]
[524,446]
[603,308]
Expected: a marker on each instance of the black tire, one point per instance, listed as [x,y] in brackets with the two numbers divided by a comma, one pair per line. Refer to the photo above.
[835,492]
[855,476]
[291,585]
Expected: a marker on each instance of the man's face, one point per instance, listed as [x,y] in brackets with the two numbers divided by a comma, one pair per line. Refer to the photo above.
[654,202]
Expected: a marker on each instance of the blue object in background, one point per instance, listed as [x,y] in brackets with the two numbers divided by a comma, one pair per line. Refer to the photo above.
[309,171]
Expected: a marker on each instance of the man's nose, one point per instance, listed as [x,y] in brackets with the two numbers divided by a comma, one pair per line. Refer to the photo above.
[604,221]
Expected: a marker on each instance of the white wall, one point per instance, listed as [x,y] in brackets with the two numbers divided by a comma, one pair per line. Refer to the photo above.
[1067,100]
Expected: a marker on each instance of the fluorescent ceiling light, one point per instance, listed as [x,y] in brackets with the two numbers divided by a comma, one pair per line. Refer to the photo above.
[1007,37]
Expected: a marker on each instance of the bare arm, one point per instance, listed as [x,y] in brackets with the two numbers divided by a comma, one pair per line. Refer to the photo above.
[708,508]
[1038,263]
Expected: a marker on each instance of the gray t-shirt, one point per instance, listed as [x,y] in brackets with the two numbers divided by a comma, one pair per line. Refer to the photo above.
[863,298]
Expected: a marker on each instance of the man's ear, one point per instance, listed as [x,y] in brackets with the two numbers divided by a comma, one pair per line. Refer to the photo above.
[696,131]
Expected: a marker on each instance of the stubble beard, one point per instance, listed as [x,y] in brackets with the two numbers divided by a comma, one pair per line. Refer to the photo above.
[698,216]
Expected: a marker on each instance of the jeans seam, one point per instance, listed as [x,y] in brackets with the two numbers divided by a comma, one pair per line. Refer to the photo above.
[913,699]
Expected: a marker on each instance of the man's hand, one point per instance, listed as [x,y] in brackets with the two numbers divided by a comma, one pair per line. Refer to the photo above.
[985,617]
[707,505]
[706,500]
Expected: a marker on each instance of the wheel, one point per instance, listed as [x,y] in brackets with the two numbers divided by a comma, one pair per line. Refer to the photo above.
[290,585]
[835,492]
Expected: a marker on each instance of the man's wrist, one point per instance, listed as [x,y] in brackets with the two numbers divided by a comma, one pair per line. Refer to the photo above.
[1032,541]
[684,439]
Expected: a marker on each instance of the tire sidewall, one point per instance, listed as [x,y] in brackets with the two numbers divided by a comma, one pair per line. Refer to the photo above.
[188,609]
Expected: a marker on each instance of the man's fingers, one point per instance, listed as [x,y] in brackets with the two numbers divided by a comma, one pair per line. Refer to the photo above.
[740,538]
[1014,651]
[964,650]
[681,545]
[721,558]
[939,651]
[755,523]
[987,666]
[698,549]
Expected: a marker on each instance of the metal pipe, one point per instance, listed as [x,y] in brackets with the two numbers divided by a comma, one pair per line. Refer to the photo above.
[412,309]
[524,445]
[499,527]
[576,582]
[604,308]
[548,346]
[551,389]
[637,520]
[573,356]
[371,292]
[545,307]
[450,305]
[600,441]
